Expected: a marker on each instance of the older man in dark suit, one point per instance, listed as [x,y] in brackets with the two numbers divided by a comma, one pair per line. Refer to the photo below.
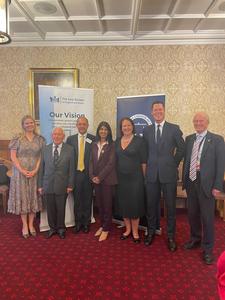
[56,180]
[165,151]
[203,174]
[81,142]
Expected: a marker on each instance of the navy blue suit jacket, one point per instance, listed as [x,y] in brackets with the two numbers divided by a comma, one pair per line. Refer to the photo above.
[164,158]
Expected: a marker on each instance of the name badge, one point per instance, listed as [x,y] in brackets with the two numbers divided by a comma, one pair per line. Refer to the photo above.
[89,141]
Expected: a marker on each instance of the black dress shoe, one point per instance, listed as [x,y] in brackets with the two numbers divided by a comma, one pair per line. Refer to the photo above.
[62,234]
[124,237]
[208,258]
[192,245]
[172,245]
[50,233]
[136,240]
[76,229]
[149,239]
[86,229]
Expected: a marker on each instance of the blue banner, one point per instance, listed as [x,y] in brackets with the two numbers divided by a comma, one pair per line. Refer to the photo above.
[138,108]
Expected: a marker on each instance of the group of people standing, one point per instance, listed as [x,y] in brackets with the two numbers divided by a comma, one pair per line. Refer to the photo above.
[133,170]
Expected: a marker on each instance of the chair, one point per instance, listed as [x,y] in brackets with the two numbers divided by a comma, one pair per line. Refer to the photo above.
[181,194]
[4,183]
[221,199]
[4,192]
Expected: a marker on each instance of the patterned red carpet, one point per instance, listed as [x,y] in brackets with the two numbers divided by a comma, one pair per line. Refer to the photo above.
[80,267]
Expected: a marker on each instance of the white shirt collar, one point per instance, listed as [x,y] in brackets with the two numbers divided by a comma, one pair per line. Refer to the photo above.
[101,145]
[202,134]
[161,124]
[59,146]
[84,135]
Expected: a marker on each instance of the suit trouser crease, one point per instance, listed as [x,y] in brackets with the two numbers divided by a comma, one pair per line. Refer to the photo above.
[153,199]
[82,199]
[56,205]
[201,210]
[104,196]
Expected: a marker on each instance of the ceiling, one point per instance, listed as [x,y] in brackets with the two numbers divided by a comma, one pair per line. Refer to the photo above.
[93,22]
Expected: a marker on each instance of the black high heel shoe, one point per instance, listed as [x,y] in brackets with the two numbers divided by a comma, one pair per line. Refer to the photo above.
[136,240]
[124,237]
[33,233]
[25,235]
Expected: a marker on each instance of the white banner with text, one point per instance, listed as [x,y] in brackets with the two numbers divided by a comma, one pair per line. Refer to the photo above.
[61,107]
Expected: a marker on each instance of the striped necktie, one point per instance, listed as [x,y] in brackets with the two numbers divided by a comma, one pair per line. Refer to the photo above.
[194,157]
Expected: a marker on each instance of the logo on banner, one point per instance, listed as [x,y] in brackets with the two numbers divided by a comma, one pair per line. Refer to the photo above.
[54,99]
[67,100]
[140,122]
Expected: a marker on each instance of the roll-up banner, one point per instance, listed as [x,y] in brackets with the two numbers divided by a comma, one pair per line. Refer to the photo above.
[61,107]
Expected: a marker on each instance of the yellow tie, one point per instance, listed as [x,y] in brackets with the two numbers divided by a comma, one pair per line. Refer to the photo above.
[81,155]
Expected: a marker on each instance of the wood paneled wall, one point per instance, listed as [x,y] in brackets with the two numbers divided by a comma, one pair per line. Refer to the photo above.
[4,150]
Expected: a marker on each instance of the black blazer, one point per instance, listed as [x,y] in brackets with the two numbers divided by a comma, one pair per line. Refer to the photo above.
[73,141]
[164,159]
[212,162]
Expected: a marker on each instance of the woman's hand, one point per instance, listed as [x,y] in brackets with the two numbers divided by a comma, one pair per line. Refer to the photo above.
[40,191]
[31,173]
[24,172]
[28,174]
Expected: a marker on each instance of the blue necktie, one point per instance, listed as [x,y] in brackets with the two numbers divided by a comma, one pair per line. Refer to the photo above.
[158,134]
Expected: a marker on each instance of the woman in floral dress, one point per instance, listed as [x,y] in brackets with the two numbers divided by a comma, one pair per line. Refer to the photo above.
[25,151]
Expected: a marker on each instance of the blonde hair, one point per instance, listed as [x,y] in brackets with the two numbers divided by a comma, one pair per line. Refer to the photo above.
[22,124]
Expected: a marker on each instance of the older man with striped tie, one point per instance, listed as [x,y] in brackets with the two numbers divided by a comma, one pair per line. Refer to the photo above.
[203,175]
[56,180]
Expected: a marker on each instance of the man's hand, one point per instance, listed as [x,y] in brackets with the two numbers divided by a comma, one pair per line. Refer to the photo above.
[69,190]
[215,192]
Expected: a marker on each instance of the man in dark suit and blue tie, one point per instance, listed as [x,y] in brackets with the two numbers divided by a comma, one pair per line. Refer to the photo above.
[56,180]
[81,142]
[165,151]
[203,175]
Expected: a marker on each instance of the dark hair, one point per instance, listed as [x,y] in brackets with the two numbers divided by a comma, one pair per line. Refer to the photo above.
[129,120]
[107,126]
[158,102]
